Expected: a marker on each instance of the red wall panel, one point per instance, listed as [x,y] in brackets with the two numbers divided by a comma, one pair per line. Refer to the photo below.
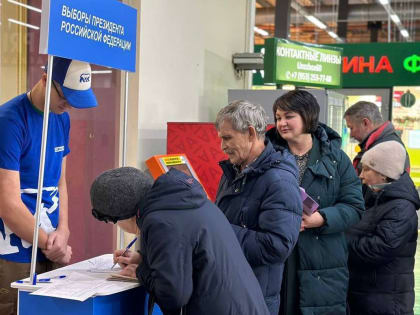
[200,143]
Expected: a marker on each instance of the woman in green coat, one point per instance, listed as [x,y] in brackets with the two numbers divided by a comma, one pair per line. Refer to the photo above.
[315,279]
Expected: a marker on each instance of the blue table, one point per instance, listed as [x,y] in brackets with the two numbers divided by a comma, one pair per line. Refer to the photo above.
[126,299]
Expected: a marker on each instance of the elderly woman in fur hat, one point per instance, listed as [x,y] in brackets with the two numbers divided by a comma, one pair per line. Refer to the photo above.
[383,244]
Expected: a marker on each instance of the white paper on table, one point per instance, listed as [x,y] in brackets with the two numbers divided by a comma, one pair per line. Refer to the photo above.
[114,287]
[77,286]
[99,262]
[103,264]
[80,283]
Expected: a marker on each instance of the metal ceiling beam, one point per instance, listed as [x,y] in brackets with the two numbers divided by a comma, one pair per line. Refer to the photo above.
[356,13]
[282,18]
[343,11]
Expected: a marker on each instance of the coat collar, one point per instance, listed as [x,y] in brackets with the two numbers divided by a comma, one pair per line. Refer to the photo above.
[376,134]
[263,162]
[319,162]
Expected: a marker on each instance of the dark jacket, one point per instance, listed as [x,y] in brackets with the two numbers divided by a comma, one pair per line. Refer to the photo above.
[191,257]
[316,279]
[381,251]
[263,205]
[385,132]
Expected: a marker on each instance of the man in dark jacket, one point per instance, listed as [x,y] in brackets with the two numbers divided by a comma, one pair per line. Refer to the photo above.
[189,257]
[367,126]
[259,195]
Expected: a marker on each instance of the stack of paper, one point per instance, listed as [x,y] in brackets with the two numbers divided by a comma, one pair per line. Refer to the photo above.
[85,279]
[77,286]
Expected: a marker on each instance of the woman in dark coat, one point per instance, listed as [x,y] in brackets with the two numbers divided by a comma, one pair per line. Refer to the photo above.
[383,244]
[315,279]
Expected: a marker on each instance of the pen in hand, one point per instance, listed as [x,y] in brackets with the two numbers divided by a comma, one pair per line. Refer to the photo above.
[126,249]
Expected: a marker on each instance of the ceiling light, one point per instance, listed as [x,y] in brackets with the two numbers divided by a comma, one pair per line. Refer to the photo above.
[404,33]
[260,31]
[384,2]
[395,18]
[29,7]
[23,24]
[332,34]
[315,21]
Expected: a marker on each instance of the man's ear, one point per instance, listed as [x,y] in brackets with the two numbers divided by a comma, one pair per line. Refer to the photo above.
[44,79]
[366,122]
[252,132]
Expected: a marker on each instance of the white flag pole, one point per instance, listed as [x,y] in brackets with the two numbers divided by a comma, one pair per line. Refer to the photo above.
[124,146]
[41,167]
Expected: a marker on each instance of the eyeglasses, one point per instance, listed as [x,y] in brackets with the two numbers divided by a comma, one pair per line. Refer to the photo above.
[114,219]
[55,87]
[103,217]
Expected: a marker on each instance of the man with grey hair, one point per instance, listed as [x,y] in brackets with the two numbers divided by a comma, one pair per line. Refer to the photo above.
[259,194]
[368,127]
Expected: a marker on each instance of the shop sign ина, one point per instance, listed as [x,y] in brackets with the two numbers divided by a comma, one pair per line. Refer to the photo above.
[374,65]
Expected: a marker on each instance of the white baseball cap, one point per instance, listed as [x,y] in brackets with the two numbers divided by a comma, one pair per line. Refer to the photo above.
[74,78]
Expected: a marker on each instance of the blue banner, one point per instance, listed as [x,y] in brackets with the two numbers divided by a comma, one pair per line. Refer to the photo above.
[96,31]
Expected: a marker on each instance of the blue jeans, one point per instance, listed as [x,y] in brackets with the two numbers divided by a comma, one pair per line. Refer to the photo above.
[273,304]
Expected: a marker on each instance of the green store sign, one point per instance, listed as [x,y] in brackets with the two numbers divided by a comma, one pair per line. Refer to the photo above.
[372,65]
[288,62]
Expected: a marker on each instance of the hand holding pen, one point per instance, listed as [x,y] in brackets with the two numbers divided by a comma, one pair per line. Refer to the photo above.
[120,253]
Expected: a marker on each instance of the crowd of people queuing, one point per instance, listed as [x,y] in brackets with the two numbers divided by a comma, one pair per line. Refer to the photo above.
[353,255]
[254,251]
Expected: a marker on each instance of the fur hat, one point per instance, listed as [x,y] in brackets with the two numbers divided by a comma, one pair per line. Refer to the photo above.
[386,158]
[119,193]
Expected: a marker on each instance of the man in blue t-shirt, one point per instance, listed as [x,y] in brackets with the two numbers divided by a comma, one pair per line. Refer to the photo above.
[21,121]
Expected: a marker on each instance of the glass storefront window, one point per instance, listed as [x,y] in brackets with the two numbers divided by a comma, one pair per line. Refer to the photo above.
[406,119]
[13,51]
